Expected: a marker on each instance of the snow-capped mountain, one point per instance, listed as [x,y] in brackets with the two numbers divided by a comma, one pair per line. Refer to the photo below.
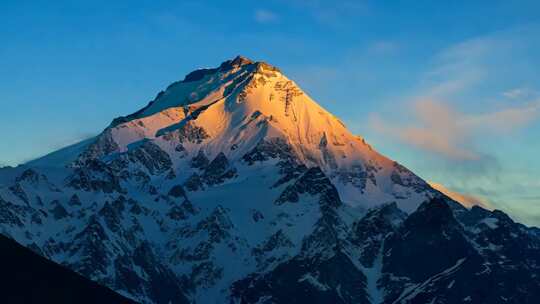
[233,185]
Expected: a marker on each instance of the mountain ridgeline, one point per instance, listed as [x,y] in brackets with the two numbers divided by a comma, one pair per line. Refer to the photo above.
[234,186]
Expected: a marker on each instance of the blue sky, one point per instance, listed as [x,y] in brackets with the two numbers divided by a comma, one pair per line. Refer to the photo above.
[451,90]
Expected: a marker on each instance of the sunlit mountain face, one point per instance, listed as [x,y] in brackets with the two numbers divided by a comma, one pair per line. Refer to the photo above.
[234,186]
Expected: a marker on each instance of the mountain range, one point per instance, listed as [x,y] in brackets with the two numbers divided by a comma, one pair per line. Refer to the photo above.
[234,186]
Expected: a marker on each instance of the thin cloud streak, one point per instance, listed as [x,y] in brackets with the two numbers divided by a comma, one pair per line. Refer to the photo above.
[332,13]
[265,16]
[518,93]
[505,120]
[438,128]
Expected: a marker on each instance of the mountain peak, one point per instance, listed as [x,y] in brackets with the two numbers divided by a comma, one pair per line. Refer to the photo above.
[244,106]
[228,65]
[236,62]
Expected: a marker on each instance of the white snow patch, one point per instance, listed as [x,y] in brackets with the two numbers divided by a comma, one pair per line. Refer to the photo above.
[491,222]
[313,281]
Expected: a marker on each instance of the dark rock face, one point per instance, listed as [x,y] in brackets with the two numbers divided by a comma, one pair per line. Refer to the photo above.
[236,62]
[276,148]
[103,145]
[358,176]
[217,225]
[19,192]
[59,212]
[137,165]
[370,232]
[277,241]
[194,183]
[182,212]
[265,150]
[328,157]
[160,284]
[333,280]
[163,285]
[90,244]
[198,74]
[431,240]
[200,161]
[177,191]
[289,170]
[74,200]
[152,157]
[29,175]
[112,214]
[95,176]
[187,132]
[213,173]
[403,177]
[9,213]
[312,182]
[218,170]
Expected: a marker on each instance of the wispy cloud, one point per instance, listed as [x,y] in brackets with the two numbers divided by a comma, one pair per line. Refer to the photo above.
[435,131]
[332,13]
[505,120]
[491,58]
[444,113]
[439,128]
[265,16]
[383,47]
[518,93]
